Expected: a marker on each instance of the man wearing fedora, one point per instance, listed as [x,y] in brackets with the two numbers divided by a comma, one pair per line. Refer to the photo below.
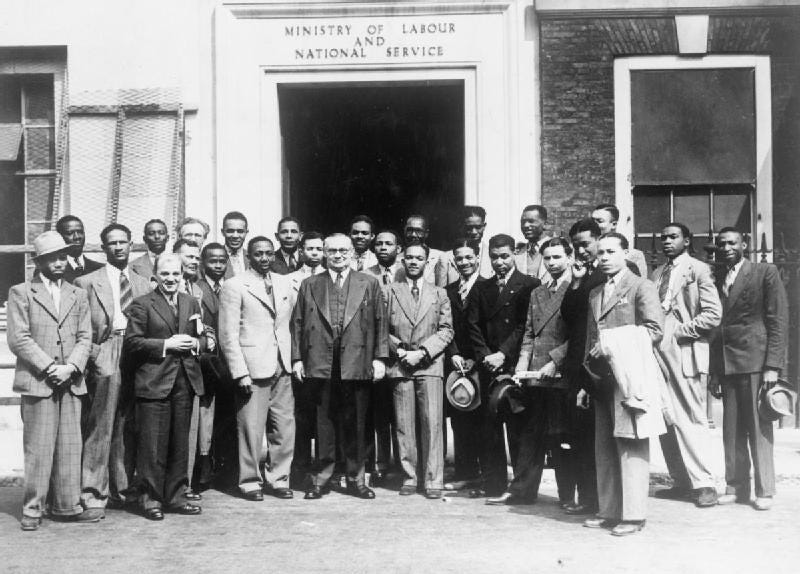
[50,332]
[496,314]
[748,352]
[420,328]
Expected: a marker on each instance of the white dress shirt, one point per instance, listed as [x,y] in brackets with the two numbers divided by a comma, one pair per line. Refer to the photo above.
[54,288]
[120,322]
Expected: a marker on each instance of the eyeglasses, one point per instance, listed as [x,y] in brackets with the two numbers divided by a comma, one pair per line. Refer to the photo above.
[334,250]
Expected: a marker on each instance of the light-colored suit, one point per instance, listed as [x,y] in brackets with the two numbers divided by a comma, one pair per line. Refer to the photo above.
[39,336]
[446,271]
[623,464]
[142,266]
[255,339]
[110,418]
[691,311]
[423,325]
[532,263]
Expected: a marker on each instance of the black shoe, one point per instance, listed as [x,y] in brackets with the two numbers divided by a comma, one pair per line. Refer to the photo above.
[186,509]
[673,493]
[153,514]
[280,492]
[360,491]
[254,495]
[192,495]
[313,493]
[509,499]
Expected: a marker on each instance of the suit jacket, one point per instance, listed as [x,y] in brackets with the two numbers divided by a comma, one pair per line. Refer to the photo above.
[434,255]
[536,267]
[142,266]
[254,327]
[377,272]
[545,337]
[496,320]
[89,265]
[229,269]
[365,333]
[446,271]
[638,259]
[461,343]
[101,306]
[753,333]
[150,323]
[39,336]
[427,325]
[692,311]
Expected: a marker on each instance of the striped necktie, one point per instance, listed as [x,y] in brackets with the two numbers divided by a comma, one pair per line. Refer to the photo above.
[125,291]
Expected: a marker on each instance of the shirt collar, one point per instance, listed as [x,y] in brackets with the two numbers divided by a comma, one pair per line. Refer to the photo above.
[680,258]
[74,262]
[738,266]
[419,281]
[212,283]
[232,253]
[345,272]
[114,273]
[618,277]
[50,284]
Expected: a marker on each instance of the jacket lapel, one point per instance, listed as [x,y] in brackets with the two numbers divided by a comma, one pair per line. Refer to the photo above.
[319,290]
[512,286]
[739,283]
[183,312]
[426,299]
[548,304]
[258,289]
[67,301]
[404,299]
[161,307]
[619,292]
[42,296]
[355,294]
[105,295]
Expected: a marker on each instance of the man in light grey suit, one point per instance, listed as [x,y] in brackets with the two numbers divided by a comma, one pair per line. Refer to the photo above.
[692,309]
[108,451]
[420,329]
[254,317]
[155,237]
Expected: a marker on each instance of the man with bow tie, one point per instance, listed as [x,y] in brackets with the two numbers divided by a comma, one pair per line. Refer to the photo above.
[108,442]
[496,313]
[692,310]
[254,321]
[748,354]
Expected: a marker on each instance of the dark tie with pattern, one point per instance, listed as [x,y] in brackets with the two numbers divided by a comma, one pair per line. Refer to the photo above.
[125,292]
[216,288]
[501,284]
[415,291]
[173,305]
[663,285]
[339,280]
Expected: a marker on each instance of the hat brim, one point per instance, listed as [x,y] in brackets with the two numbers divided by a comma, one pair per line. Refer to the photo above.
[452,379]
[51,251]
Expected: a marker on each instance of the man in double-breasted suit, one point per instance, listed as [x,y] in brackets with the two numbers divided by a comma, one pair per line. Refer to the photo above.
[50,332]
[108,441]
[420,329]
[692,309]
[622,428]
[496,313]
[163,340]
[255,313]
[340,341]
[544,422]
[748,354]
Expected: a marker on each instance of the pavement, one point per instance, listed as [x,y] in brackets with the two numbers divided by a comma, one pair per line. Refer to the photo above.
[412,534]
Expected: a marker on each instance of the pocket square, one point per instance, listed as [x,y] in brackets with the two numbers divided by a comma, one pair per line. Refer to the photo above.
[623,301]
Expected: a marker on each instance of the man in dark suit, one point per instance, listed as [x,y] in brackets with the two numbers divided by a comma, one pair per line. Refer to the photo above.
[287,258]
[496,313]
[163,340]
[71,229]
[340,340]
[155,237]
[748,353]
[466,424]
[234,230]
[108,445]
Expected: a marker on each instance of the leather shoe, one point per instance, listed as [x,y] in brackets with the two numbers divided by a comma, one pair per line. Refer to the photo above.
[580,509]
[598,522]
[762,503]
[153,514]
[433,493]
[313,493]
[192,495]
[90,515]
[30,523]
[407,490]
[627,528]
[674,493]
[254,495]
[360,491]
[705,497]
[510,499]
[281,492]
[186,509]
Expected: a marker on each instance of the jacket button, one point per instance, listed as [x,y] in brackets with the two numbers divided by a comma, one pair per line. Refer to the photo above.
[58,342]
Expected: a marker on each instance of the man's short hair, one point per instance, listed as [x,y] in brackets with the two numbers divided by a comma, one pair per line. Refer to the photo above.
[473,211]
[612,209]
[730,229]
[684,229]
[189,220]
[358,219]
[540,209]
[417,216]
[623,241]
[166,257]
[238,215]
[464,242]
[61,224]
[425,247]
[555,242]
[213,246]
[392,231]
[113,227]
[585,224]
[287,219]
[309,235]
[176,247]
[257,239]
[502,240]
[152,221]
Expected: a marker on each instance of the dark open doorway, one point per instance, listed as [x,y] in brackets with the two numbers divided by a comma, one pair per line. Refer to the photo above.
[383,150]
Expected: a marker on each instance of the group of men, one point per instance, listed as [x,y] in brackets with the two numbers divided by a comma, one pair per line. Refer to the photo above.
[326,359]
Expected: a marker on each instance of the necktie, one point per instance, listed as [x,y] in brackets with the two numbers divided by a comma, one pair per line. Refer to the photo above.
[463,291]
[216,288]
[608,290]
[268,286]
[553,286]
[501,284]
[292,262]
[386,276]
[125,292]
[173,305]
[729,279]
[415,291]
[663,285]
[339,280]
[360,266]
